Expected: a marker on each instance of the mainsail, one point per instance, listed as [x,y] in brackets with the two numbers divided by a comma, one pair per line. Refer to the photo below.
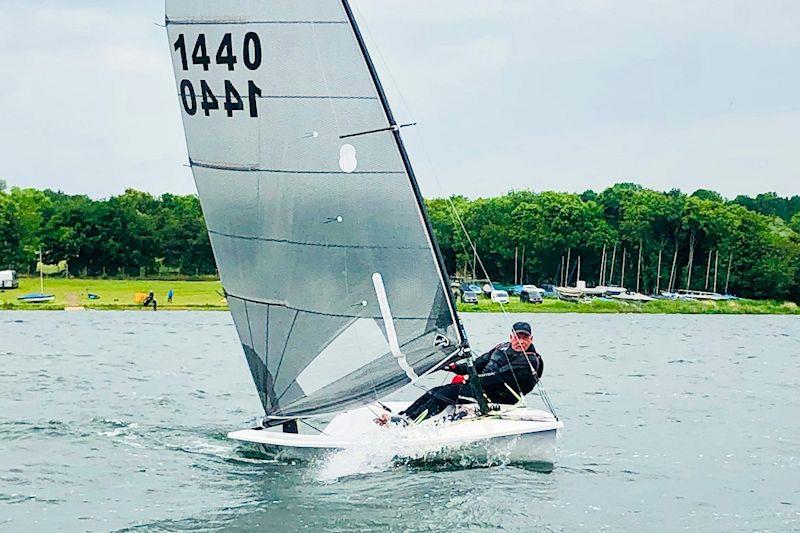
[335,283]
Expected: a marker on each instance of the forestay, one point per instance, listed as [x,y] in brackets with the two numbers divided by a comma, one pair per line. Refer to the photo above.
[315,219]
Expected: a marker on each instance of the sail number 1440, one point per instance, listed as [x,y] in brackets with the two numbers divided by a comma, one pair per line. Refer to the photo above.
[204,97]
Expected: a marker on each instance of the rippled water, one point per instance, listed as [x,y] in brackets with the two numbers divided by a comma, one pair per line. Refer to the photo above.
[118,421]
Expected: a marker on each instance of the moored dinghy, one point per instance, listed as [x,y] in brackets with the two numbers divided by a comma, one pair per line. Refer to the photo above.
[332,274]
[37,298]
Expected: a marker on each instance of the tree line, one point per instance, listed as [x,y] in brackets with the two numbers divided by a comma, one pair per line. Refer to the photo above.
[750,244]
[133,234]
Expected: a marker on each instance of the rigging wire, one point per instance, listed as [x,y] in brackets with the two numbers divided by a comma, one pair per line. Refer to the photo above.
[453,210]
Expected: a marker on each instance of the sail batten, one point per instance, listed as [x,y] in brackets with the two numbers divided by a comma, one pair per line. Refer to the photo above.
[224,22]
[300,217]
[233,168]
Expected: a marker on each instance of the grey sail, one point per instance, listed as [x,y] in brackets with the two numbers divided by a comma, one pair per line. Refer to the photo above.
[333,279]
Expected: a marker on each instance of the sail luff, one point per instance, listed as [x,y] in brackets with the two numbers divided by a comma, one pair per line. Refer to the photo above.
[423,212]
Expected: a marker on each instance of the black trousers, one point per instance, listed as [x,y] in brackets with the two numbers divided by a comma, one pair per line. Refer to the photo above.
[437,399]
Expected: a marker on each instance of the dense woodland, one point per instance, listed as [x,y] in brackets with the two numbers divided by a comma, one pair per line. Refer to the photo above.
[756,239]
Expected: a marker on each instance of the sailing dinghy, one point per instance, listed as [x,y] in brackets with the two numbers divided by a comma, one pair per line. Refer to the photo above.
[331,271]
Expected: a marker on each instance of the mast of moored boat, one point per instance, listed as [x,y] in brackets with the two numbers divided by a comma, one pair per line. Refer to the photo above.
[728,277]
[671,284]
[602,266]
[613,261]
[567,276]
[639,267]
[41,272]
[658,272]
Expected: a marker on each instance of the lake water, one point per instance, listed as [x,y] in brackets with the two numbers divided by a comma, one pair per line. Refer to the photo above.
[118,421]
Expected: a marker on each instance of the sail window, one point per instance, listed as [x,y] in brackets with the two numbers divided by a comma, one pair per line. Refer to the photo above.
[347,158]
[351,350]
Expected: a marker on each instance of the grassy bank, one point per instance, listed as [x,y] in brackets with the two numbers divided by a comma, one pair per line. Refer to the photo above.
[205,295]
[117,294]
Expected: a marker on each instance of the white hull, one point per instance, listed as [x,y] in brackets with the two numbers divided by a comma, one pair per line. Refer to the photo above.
[40,300]
[633,297]
[516,435]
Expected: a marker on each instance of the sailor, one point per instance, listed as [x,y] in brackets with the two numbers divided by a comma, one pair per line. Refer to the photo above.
[507,372]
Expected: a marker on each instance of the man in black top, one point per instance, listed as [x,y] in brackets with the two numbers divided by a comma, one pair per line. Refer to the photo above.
[507,372]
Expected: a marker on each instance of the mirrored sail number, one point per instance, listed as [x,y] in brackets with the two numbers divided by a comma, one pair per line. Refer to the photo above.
[232,101]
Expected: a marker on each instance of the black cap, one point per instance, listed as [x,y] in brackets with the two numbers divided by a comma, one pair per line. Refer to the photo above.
[522,327]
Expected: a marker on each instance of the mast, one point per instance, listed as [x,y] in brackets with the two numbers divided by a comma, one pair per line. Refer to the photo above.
[691,262]
[658,273]
[445,278]
[716,268]
[622,276]
[567,275]
[639,267]
[602,266]
[41,272]
[671,284]
[613,260]
[410,171]
[728,277]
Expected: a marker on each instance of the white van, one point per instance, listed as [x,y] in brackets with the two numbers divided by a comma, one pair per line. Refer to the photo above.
[8,279]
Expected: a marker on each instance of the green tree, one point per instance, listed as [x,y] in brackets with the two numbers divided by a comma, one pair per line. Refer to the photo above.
[31,205]
[11,255]
[182,235]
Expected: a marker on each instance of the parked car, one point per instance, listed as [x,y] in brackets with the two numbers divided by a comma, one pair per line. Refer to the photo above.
[469,297]
[500,297]
[8,279]
[533,297]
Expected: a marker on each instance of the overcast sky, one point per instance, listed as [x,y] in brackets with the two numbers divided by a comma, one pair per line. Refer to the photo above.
[508,94]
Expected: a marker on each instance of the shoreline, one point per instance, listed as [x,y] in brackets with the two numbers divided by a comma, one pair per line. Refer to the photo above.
[120,295]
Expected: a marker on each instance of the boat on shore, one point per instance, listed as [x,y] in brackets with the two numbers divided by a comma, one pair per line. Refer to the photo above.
[37,298]
[570,294]
[632,296]
[686,294]
[609,290]
[580,291]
